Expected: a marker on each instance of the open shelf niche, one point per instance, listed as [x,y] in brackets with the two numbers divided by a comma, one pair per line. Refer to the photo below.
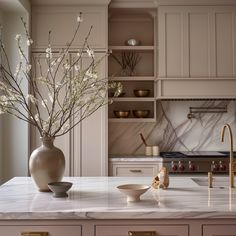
[123,25]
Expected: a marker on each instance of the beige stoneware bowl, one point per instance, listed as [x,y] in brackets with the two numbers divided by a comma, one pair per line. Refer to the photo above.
[60,189]
[133,191]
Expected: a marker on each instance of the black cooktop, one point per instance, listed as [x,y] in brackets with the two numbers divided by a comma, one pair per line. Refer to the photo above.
[199,154]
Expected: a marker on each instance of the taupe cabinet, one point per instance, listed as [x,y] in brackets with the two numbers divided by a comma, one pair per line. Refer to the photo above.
[197,49]
[164,227]
[85,147]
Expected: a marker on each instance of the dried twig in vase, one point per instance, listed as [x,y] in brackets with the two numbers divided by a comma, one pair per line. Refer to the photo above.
[132,59]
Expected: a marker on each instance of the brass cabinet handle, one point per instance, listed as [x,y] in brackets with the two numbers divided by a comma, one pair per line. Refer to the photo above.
[34,234]
[135,171]
[141,233]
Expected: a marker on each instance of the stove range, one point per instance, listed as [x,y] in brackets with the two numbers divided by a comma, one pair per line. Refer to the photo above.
[196,162]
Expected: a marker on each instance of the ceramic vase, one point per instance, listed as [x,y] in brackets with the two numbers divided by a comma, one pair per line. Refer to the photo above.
[46,164]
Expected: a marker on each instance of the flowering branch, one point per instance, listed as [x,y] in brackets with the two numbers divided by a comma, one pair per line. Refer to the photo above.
[60,97]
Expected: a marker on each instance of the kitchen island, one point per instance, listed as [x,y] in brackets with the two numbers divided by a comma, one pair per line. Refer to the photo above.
[96,207]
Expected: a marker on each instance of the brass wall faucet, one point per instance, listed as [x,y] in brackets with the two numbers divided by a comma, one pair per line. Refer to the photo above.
[231,154]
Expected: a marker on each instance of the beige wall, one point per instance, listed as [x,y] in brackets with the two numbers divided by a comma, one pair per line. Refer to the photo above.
[15,132]
[1,136]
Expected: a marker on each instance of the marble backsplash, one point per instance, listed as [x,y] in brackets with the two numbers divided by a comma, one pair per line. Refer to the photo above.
[173,131]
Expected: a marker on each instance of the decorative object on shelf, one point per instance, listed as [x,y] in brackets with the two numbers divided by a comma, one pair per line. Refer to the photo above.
[141,92]
[121,114]
[199,110]
[60,189]
[122,62]
[132,59]
[141,113]
[133,42]
[155,151]
[128,61]
[133,191]
[54,98]
[162,179]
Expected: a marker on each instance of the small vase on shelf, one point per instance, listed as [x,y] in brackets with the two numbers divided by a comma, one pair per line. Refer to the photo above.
[46,164]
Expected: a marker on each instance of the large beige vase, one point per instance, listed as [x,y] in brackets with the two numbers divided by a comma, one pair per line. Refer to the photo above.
[46,164]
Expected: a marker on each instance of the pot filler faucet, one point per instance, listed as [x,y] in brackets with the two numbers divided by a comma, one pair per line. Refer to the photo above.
[232,164]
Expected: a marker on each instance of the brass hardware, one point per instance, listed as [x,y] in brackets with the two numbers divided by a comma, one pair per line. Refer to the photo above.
[34,234]
[231,155]
[135,171]
[198,110]
[141,233]
[210,179]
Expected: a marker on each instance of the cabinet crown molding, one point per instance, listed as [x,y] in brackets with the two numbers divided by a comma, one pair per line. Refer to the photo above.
[194,2]
[133,4]
[70,2]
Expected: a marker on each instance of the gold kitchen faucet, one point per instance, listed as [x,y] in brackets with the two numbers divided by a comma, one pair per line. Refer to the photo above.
[232,163]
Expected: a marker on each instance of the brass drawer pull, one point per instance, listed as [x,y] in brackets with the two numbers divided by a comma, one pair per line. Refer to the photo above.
[141,233]
[34,234]
[135,171]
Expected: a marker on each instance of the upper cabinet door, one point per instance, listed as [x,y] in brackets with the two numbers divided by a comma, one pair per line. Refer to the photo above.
[62,22]
[197,41]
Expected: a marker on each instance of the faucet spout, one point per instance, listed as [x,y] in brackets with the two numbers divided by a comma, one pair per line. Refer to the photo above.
[231,155]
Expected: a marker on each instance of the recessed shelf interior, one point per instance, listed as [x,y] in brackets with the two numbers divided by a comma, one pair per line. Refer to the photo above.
[130,24]
[130,106]
[130,86]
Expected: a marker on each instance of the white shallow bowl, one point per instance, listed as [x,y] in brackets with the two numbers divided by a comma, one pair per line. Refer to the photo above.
[133,191]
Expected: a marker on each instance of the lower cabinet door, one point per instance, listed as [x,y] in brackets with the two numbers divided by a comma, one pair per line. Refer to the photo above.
[40,230]
[219,230]
[144,230]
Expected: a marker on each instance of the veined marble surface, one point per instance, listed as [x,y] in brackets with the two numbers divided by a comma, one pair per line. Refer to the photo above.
[173,131]
[98,198]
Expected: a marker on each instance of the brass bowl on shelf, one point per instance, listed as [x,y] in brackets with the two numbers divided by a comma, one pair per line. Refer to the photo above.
[141,113]
[141,92]
[121,113]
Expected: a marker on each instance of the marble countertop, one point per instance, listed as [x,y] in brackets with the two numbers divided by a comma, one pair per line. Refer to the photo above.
[131,158]
[98,198]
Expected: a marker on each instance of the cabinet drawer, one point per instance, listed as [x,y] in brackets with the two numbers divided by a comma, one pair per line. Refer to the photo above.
[135,170]
[155,230]
[52,230]
[219,230]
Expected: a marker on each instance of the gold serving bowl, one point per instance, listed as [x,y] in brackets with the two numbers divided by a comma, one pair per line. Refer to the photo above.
[141,113]
[121,114]
[141,92]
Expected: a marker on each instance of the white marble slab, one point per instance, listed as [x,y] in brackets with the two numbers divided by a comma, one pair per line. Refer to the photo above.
[98,198]
[136,158]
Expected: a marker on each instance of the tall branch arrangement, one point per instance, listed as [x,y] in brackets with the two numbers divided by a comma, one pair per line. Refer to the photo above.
[62,95]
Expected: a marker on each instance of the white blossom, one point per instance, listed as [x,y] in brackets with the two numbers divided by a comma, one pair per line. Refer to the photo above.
[49,52]
[18,37]
[28,68]
[18,67]
[29,41]
[90,52]
[67,66]
[77,67]
[51,97]
[44,103]
[36,117]
[31,98]
[79,19]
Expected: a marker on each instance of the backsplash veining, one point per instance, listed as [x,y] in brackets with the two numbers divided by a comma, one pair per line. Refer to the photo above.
[173,131]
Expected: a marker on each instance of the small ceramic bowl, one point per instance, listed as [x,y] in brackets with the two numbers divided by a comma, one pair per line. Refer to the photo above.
[59,189]
[132,42]
[133,191]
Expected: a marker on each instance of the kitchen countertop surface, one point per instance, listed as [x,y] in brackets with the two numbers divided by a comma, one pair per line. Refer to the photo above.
[98,198]
[128,158]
